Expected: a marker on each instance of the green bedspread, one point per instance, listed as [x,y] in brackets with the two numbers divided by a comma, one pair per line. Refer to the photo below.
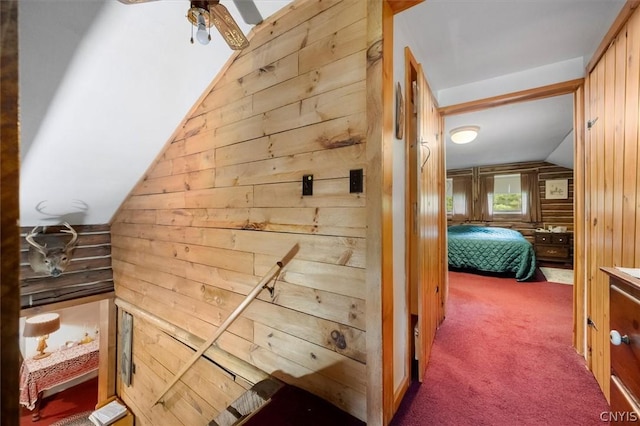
[491,249]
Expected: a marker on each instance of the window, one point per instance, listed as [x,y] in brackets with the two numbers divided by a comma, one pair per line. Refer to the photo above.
[507,195]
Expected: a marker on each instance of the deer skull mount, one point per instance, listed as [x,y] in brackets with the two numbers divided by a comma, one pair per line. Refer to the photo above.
[51,256]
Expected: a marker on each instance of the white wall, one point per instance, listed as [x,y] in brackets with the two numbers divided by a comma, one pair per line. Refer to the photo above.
[400,307]
[74,323]
[563,154]
[103,85]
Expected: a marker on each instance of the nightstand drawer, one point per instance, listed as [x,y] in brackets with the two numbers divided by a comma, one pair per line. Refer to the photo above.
[559,239]
[552,252]
[543,238]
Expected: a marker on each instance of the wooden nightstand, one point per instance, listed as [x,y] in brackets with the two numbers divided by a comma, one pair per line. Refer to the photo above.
[554,246]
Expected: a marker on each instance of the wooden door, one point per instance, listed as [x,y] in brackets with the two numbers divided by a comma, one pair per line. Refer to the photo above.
[429,211]
[425,210]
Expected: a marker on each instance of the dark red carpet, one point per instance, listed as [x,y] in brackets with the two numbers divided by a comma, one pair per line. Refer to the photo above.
[77,399]
[503,356]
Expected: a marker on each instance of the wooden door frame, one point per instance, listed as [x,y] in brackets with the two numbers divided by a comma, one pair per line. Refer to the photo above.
[107,369]
[576,88]
[382,400]
[10,207]
[379,181]
[411,199]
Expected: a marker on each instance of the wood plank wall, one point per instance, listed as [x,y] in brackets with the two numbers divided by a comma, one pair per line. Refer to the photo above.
[89,272]
[612,181]
[554,212]
[223,202]
[10,208]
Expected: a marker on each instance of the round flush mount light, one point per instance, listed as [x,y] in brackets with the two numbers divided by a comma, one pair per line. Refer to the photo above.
[464,134]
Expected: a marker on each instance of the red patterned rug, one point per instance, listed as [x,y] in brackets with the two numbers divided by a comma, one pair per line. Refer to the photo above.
[80,419]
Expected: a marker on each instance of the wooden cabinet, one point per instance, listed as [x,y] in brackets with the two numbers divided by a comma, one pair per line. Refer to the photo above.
[554,246]
[624,314]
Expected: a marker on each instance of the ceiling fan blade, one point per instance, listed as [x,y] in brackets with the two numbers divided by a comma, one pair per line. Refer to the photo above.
[228,27]
[249,12]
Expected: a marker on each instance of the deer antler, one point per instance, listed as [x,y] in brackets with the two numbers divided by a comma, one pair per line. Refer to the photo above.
[74,237]
[30,240]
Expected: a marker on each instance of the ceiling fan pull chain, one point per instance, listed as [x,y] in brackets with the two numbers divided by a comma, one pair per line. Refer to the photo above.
[191,34]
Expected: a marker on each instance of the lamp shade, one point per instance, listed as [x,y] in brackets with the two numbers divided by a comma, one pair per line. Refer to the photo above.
[465,134]
[41,325]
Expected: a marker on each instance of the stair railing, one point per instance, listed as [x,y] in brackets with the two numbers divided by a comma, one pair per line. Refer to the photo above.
[275,269]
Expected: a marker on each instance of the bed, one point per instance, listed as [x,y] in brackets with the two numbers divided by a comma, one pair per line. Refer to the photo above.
[491,249]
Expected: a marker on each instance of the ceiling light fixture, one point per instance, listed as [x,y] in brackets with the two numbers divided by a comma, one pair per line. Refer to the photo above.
[205,13]
[464,134]
[202,34]
[199,15]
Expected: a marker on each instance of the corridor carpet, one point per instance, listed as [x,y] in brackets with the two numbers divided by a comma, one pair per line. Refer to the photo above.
[503,356]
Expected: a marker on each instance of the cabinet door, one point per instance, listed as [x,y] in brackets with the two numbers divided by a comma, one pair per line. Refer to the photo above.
[625,319]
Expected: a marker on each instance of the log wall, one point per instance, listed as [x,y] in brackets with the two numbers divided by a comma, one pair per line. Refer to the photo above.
[223,202]
[89,272]
[554,212]
[611,181]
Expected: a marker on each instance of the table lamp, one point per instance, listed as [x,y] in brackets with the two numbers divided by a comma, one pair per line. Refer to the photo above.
[41,326]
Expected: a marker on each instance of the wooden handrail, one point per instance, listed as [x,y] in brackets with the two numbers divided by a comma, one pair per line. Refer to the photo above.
[232,317]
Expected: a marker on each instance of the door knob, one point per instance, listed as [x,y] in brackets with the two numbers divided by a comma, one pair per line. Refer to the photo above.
[617,339]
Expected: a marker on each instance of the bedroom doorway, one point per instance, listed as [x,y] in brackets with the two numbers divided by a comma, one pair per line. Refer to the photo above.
[85,351]
[572,145]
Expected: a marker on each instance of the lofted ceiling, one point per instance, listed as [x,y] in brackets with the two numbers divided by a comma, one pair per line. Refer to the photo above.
[477,49]
[103,86]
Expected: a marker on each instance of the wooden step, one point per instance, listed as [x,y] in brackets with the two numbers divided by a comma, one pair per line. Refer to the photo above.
[272,402]
[248,403]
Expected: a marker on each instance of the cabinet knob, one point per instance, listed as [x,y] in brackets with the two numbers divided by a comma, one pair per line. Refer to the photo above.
[617,339]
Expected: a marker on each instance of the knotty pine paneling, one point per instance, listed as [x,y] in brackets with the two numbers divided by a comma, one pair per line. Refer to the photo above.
[223,202]
[554,212]
[612,182]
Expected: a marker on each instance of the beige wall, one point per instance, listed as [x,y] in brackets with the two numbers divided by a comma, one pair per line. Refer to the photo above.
[223,203]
